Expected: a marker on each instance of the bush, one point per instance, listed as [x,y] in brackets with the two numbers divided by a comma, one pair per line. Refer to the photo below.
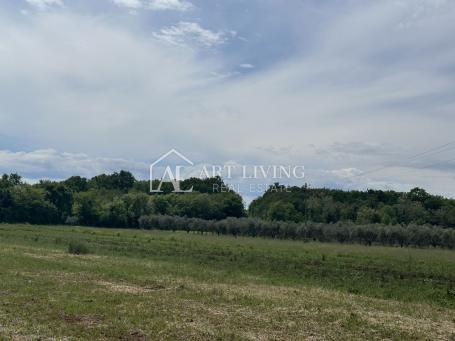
[368,234]
[71,220]
[78,248]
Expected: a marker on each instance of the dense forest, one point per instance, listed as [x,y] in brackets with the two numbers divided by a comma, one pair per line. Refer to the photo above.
[120,200]
[304,204]
[115,200]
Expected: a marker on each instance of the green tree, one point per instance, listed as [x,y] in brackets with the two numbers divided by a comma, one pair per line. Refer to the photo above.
[368,215]
[58,194]
[87,208]
[30,205]
[283,211]
[76,184]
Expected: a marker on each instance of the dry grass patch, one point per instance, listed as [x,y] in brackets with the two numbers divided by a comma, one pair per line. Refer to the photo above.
[294,313]
[88,321]
[134,289]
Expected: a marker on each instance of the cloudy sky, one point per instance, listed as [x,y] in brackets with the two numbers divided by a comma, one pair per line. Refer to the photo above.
[361,92]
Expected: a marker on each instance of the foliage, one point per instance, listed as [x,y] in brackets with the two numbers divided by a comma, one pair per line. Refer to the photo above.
[368,234]
[122,181]
[20,202]
[322,205]
[116,200]
[76,184]
[78,248]
[119,200]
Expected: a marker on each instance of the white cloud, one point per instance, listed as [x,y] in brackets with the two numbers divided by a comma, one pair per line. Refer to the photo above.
[155,5]
[44,4]
[247,66]
[84,84]
[177,5]
[88,80]
[50,163]
[132,4]
[184,32]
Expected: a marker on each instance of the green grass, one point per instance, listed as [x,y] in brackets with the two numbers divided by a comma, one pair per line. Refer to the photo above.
[176,286]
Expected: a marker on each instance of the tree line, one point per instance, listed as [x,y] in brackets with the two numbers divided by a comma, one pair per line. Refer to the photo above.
[120,200]
[305,204]
[342,232]
[110,200]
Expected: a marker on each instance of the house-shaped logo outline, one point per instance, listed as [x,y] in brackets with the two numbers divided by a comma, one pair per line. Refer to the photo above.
[163,157]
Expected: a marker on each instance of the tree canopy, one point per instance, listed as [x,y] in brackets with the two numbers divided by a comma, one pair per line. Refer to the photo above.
[300,204]
[111,200]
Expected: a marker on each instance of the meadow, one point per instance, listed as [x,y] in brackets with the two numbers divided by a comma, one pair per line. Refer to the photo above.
[61,282]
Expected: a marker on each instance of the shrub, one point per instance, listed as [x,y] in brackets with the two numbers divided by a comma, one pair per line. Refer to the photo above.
[78,248]
[346,232]
[70,220]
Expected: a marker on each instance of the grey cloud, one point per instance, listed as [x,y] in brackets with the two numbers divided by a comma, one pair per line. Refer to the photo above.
[49,163]
[84,84]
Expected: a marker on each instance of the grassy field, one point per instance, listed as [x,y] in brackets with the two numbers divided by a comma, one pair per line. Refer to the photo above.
[152,285]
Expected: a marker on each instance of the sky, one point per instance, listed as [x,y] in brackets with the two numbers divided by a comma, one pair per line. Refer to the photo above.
[360,92]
